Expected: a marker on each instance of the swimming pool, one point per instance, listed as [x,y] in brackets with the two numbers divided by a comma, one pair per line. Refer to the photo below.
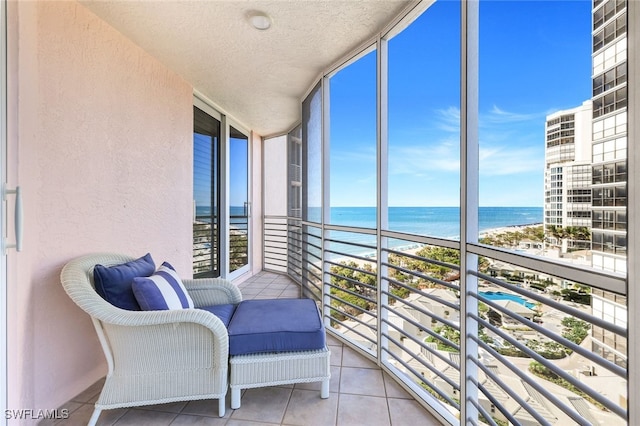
[498,295]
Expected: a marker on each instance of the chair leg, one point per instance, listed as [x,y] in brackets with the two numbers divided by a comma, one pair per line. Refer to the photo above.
[324,393]
[221,406]
[94,417]
[235,398]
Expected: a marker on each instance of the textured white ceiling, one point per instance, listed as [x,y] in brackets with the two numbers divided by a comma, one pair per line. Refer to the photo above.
[258,77]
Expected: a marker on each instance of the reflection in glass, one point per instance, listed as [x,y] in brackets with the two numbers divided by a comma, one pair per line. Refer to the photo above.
[206,194]
[312,156]
[238,200]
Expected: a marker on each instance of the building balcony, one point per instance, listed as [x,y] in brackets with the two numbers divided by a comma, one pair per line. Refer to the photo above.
[360,393]
[98,131]
[398,362]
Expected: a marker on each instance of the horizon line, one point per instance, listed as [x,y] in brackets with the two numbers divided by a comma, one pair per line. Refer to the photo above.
[413,207]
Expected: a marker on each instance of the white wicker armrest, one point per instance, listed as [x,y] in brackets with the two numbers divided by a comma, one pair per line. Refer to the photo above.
[123,317]
[212,291]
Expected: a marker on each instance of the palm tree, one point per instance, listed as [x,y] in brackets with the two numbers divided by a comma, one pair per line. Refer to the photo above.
[559,234]
[583,233]
[573,233]
[535,233]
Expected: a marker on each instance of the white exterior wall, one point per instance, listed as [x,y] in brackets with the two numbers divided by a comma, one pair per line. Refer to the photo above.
[275,176]
[581,157]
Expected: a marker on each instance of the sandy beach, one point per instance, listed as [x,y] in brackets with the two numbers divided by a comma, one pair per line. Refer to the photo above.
[514,228]
[415,248]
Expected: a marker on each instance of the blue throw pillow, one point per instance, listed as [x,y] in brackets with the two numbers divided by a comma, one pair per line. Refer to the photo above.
[113,283]
[161,291]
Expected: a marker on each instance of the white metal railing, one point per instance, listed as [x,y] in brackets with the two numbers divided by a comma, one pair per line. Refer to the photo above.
[532,369]
[275,243]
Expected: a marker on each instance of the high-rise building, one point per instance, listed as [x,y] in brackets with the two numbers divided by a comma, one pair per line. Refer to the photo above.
[567,178]
[609,168]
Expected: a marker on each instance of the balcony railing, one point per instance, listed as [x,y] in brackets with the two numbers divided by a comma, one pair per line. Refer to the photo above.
[206,243]
[539,357]
[350,288]
[275,238]
[205,256]
[238,241]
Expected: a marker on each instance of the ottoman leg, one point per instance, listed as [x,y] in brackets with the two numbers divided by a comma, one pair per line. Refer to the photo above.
[235,398]
[324,393]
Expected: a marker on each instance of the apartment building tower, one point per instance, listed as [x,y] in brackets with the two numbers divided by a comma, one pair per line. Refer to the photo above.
[567,178]
[609,168]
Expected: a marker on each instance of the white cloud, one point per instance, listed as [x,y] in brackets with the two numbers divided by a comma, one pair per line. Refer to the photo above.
[508,147]
[498,115]
[361,156]
[503,150]
[424,160]
[500,160]
[449,119]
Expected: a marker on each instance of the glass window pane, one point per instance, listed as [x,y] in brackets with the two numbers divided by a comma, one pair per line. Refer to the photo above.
[312,156]
[206,194]
[520,100]
[353,143]
[238,200]
[424,124]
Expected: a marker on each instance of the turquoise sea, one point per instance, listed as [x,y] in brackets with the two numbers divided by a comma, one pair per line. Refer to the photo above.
[440,222]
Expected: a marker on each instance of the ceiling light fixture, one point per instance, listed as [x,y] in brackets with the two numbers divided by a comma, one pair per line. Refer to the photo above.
[260,21]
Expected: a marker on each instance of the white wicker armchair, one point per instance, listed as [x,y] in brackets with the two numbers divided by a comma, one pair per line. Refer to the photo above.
[156,357]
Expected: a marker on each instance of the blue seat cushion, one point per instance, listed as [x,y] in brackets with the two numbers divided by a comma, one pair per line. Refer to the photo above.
[275,325]
[224,312]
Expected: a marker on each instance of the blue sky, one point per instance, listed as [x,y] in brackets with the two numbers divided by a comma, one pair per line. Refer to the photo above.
[239,172]
[535,59]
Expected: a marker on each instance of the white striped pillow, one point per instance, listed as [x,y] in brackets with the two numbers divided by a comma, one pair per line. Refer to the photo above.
[161,291]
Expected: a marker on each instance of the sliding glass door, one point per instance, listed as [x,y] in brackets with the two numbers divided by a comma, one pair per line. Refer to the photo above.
[206,190]
[221,195]
[239,207]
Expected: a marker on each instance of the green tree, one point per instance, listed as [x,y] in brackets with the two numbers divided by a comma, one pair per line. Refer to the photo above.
[448,333]
[575,330]
[440,254]
[359,284]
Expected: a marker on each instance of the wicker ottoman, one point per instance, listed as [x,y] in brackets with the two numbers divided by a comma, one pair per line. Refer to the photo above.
[277,342]
[272,369]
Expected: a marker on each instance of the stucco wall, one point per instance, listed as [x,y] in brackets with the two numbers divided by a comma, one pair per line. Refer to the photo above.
[102,137]
[256,203]
[275,171]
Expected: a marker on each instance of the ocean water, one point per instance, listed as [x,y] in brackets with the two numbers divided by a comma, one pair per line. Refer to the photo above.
[238,214]
[443,222]
[440,222]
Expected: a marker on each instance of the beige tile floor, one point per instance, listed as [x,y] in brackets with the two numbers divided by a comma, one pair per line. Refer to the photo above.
[360,392]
